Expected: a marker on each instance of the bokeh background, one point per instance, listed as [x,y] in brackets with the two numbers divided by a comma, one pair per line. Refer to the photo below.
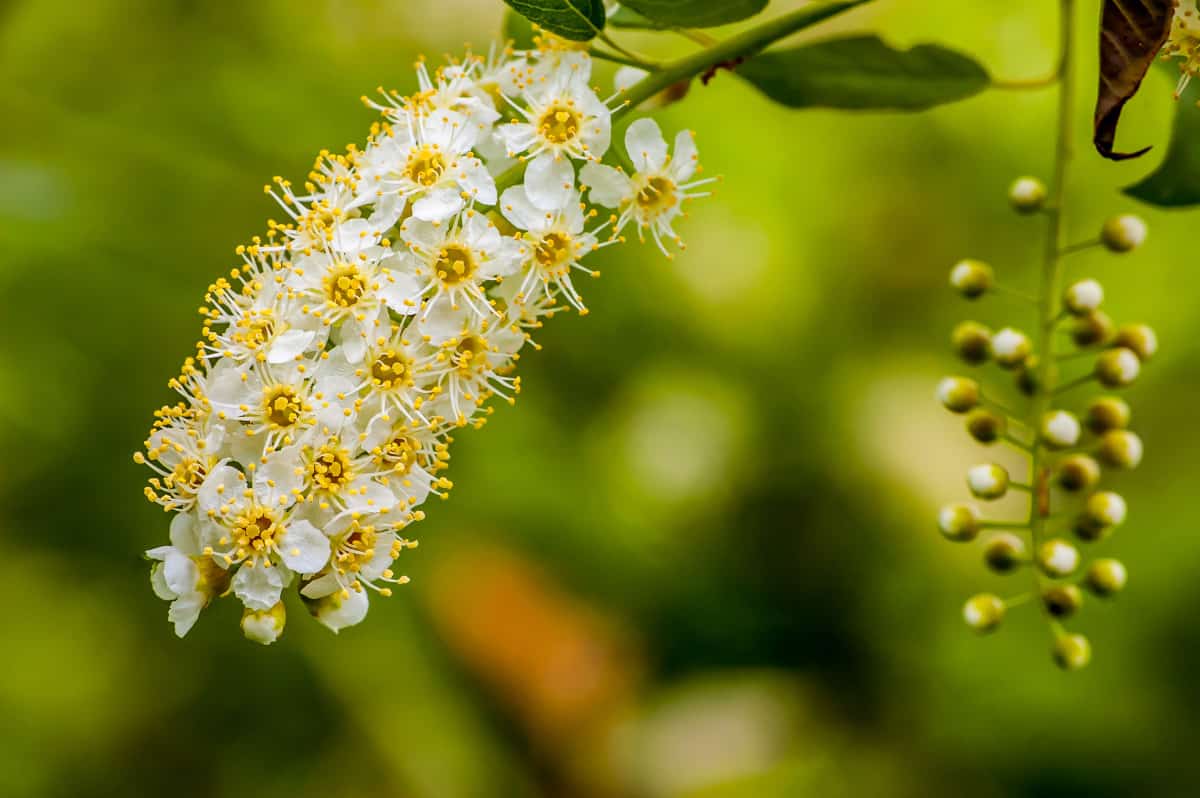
[697,560]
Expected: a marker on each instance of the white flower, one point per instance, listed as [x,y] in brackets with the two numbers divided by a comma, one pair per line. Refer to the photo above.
[475,358]
[557,242]
[184,576]
[182,448]
[652,198]
[426,159]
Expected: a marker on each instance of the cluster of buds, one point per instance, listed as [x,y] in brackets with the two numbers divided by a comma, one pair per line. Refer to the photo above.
[1069,449]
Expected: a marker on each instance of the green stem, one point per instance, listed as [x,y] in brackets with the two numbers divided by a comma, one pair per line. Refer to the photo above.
[616,58]
[1048,291]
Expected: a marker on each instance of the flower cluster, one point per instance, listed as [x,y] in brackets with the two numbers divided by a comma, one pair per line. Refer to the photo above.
[1068,451]
[1183,42]
[384,313]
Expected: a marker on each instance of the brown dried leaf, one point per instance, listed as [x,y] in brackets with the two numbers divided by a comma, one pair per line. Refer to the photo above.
[1131,34]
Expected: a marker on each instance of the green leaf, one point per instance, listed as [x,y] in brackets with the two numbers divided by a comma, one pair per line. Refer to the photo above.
[577,20]
[1176,181]
[862,72]
[628,18]
[518,30]
[696,13]
[1131,34]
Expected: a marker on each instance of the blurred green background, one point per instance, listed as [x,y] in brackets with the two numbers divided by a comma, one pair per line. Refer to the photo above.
[697,560]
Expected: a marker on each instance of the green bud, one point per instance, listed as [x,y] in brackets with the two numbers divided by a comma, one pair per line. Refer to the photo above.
[1062,601]
[1107,413]
[959,522]
[1106,508]
[1123,233]
[1083,297]
[958,394]
[1106,577]
[1027,194]
[1139,338]
[1117,368]
[983,612]
[1078,472]
[264,626]
[1121,448]
[973,342]
[986,426]
[1060,429]
[1010,347]
[1072,652]
[1057,557]
[1004,552]
[1092,328]
[971,278]
[1027,376]
[987,481]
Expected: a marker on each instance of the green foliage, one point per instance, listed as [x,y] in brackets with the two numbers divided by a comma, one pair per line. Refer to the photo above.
[628,18]
[863,72]
[696,13]
[1176,181]
[577,20]
[518,30]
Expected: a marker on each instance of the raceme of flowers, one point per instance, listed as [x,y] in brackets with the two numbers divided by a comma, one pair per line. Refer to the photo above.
[386,311]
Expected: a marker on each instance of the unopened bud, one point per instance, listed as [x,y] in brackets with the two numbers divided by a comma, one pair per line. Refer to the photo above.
[1060,429]
[1027,376]
[1092,328]
[987,481]
[1078,472]
[1123,233]
[1072,652]
[986,426]
[1107,413]
[971,278]
[983,612]
[1103,511]
[959,522]
[1121,448]
[1106,577]
[1139,338]
[1083,297]
[1027,194]
[972,341]
[1004,552]
[1057,557]
[1117,368]
[1010,347]
[958,394]
[264,626]
[1062,601]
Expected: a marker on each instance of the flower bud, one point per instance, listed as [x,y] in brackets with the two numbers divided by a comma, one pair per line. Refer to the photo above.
[1010,347]
[987,481]
[1139,338]
[1027,376]
[1107,413]
[1004,552]
[1092,328]
[958,394]
[959,522]
[1083,297]
[264,626]
[1123,233]
[1078,472]
[1060,429]
[986,426]
[1121,448]
[972,341]
[1027,194]
[983,612]
[1117,368]
[1072,652]
[1102,512]
[1106,577]
[1058,558]
[971,278]
[1062,601]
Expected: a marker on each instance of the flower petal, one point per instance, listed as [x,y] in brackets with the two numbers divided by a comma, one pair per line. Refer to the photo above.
[290,345]
[304,548]
[606,185]
[549,180]
[646,146]
[258,586]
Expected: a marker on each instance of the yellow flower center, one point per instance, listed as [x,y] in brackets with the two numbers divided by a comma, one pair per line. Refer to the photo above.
[425,166]
[255,531]
[656,197]
[470,353]
[559,124]
[390,370]
[455,264]
[187,476]
[553,250]
[256,330]
[282,406]
[320,220]
[330,468]
[356,549]
[345,285]
[400,454]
